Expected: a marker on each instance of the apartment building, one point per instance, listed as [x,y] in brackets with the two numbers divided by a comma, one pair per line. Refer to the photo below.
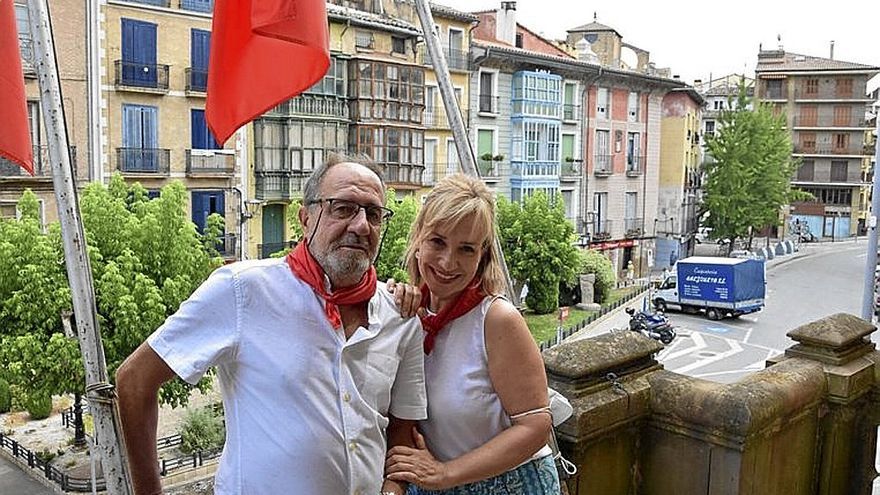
[69,23]
[825,101]
[153,66]
[680,192]
[718,92]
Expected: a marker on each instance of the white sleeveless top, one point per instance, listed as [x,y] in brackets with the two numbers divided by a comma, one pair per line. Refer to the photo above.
[464,412]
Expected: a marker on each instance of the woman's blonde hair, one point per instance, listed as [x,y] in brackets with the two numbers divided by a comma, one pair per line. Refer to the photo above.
[454,199]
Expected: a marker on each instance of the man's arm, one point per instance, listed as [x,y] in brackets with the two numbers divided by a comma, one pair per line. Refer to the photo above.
[137,386]
[400,432]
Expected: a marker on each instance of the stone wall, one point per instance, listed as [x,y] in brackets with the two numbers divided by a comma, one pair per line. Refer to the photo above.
[804,425]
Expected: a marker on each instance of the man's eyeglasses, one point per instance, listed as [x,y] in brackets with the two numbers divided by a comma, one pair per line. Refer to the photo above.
[343,209]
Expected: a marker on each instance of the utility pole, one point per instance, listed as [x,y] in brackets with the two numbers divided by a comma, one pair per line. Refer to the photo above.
[99,392]
[871,258]
[456,121]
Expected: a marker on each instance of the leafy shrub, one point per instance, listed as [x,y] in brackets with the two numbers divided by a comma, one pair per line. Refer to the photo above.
[5,396]
[201,430]
[543,296]
[39,406]
[595,262]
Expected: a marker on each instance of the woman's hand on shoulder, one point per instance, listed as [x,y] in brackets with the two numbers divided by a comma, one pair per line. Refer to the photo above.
[408,297]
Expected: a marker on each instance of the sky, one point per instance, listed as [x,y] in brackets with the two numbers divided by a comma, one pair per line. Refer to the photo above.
[698,38]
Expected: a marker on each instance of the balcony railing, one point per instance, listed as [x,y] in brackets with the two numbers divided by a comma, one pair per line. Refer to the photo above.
[153,161]
[138,75]
[196,79]
[801,121]
[633,227]
[455,59]
[570,112]
[534,169]
[828,150]
[602,165]
[404,174]
[209,162]
[488,103]
[227,246]
[435,118]
[489,168]
[268,249]
[205,6]
[42,165]
[601,230]
[774,94]
[26,47]
[276,185]
[312,104]
[571,168]
[635,165]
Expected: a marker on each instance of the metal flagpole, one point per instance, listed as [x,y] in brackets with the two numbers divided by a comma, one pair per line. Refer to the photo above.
[456,122]
[871,258]
[99,393]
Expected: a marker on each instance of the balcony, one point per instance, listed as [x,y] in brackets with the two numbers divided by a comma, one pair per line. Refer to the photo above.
[404,175]
[570,112]
[196,80]
[634,227]
[148,161]
[148,77]
[571,167]
[435,118]
[828,150]
[227,246]
[635,165]
[312,105]
[268,249]
[203,6]
[774,94]
[602,165]
[488,104]
[802,121]
[279,185]
[26,47]
[535,169]
[601,230]
[42,165]
[489,169]
[201,163]
[455,59]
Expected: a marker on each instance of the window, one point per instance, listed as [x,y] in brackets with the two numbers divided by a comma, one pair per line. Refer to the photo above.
[199,54]
[775,89]
[838,170]
[389,145]
[718,105]
[568,106]
[600,213]
[844,87]
[631,204]
[534,141]
[295,145]
[568,156]
[487,92]
[842,116]
[811,87]
[831,196]
[603,153]
[197,5]
[485,149]
[205,203]
[140,139]
[710,128]
[25,40]
[809,115]
[840,141]
[602,103]
[200,136]
[537,94]
[139,54]
[519,40]
[633,152]
[363,40]
[387,91]
[805,172]
[633,107]
[333,82]
[808,141]
[398,45]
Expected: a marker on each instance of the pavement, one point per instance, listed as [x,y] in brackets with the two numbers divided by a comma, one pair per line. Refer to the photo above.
[15,481]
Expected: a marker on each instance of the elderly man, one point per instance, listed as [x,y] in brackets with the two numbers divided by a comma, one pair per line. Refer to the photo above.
[314,360]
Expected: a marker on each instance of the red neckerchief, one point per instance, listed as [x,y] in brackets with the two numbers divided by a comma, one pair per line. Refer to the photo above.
[467,300]
[304,266]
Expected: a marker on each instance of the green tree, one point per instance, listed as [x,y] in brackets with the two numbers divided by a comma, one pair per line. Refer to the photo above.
[538,243]
[593,261]
[146,258]
[749,180]
[391,263]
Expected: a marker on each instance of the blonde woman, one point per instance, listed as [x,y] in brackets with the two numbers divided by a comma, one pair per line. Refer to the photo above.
[488,416]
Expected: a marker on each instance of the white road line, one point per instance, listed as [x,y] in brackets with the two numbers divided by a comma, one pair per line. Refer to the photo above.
[734,350]
[748,335]
[668,349]
[699,343]
[719,373]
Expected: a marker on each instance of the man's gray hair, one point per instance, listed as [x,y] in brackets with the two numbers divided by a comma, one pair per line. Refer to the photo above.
[313,184]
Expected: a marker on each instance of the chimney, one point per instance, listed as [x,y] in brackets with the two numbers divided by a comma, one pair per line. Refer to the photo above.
[505,23]
[698,83]
[832,50]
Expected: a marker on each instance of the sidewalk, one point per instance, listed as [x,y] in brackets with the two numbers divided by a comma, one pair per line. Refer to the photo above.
[14,480]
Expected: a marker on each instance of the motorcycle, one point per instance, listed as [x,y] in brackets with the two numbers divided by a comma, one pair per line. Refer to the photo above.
[653,325]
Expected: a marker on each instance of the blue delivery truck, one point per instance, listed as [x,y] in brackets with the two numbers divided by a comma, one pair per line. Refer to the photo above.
[719,286]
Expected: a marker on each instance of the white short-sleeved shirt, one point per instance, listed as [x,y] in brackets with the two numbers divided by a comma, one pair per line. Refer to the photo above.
[306,409]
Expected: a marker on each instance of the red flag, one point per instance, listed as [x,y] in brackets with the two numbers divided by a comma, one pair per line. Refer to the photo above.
[263,52]
[15,139]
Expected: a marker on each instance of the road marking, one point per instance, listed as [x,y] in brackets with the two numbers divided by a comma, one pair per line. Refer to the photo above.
[718,329]
[699,343]
[734,350]
[748,335]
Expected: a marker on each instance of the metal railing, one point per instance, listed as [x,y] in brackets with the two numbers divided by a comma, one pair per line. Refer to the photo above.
[634,165]
[534,169]
[209,162]
[828,150]
[455,59]
[312,104]
[488,103]
[143,160]
[633,227]
[569,168]
[601,229]
[273,185]
[773,94]
[570,112]
[42,165]
[489,168]
[435,118]
[204,6]
[138,75]
[266,250]
[813,121]
[602,165]
[26,47]
[404,174]
[196,79]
